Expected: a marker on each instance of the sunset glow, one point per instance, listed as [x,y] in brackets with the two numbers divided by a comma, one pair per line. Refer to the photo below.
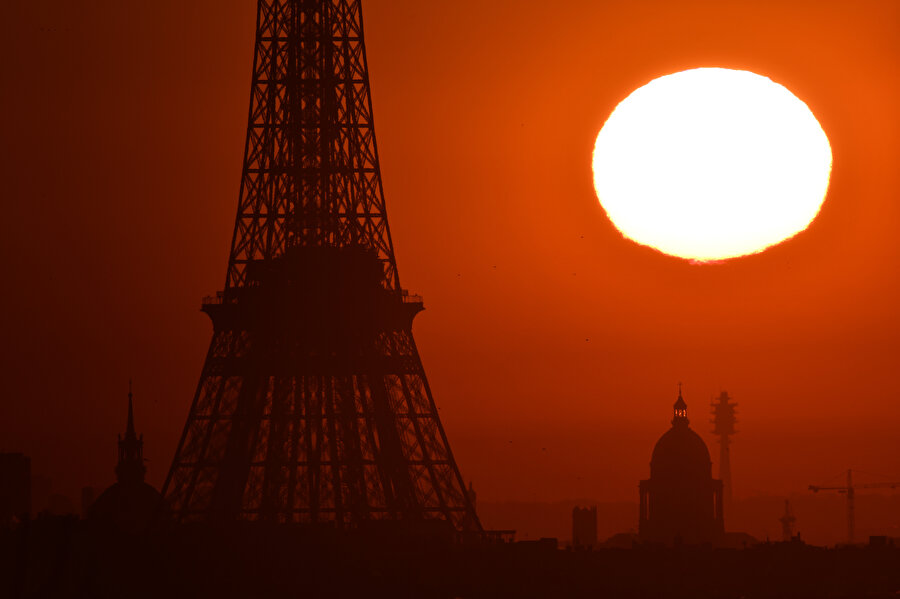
[710,164]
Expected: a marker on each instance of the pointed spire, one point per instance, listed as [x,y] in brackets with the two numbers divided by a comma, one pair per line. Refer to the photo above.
[129,427]
[130,468]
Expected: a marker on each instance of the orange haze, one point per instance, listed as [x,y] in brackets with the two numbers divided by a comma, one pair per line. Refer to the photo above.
[552,344]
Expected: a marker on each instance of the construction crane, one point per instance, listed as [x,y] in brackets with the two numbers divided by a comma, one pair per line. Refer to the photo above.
[850,490]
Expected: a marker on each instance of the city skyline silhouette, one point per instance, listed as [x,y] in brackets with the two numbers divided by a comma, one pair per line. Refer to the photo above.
[551,343]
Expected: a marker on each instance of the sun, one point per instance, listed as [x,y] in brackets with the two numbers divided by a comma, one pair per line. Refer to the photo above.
[710,164]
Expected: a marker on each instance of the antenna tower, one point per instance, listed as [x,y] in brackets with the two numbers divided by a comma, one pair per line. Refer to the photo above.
[312,405]
[787,522]
[724,419]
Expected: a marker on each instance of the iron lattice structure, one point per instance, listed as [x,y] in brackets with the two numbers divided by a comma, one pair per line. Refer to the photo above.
[313,406]
[724,419]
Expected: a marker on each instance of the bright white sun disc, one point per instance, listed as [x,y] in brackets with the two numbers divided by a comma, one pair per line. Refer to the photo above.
[710,164]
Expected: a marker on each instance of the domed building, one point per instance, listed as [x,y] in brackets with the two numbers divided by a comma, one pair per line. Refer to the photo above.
[681,502]
[130,504]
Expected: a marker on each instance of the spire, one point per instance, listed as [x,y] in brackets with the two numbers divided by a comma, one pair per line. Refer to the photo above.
[680,409]
[130,468]
[129,427]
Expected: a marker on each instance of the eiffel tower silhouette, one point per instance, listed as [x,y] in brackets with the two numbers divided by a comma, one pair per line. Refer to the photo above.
[312,405]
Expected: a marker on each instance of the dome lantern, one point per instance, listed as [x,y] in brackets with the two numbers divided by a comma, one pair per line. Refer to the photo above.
[680,408]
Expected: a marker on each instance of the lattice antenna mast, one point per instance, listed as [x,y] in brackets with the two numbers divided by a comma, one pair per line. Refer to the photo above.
[311,176]
[724,419]
[787,522]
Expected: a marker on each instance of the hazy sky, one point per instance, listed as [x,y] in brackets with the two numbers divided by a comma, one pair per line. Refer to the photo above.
[553,345]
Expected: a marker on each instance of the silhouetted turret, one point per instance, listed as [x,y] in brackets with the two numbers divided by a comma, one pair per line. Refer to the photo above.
[130,504]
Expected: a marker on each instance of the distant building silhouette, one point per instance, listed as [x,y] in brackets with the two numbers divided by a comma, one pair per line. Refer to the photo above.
[584,527]
[130,503]
[40,493]
[15,488]
[681,502]
[59,504]
[88,495]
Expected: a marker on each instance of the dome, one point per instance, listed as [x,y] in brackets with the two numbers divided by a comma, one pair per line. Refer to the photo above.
[680,451]
[681,502]
[127,507]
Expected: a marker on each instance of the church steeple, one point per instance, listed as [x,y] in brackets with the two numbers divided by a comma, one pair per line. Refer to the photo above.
[680,408]
[130,468]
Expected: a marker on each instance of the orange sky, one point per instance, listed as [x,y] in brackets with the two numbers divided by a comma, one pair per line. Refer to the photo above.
[552,344]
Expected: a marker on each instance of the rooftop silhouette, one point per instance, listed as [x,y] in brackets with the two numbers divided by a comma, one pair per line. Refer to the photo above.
[681,502]
[130,505]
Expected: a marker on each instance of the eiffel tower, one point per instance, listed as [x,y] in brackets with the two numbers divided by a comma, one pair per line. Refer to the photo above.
[312,405]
